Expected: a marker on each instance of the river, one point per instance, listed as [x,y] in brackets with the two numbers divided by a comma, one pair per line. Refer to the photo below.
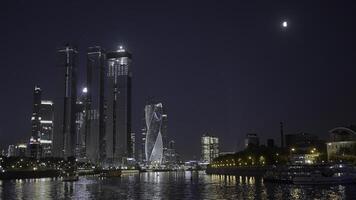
[168,185]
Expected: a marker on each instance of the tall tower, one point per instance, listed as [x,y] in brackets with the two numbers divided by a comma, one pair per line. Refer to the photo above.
[118,117]
[36,124]
[95,127]
[80,124]
[67,126]
[46,113]
[154,139]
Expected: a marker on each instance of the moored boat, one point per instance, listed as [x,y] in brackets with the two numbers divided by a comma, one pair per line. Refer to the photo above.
[312,174]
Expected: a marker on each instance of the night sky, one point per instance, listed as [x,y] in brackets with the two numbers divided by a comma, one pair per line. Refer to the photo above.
[222,67]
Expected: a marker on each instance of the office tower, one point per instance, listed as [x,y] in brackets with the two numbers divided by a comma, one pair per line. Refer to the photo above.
[209,148]
[94,105]
[142,153]
[46,129]
[170,155]
[118,102]
[11,152]
[164,129]
[65,114]
[80,127]
[154,140]
[133,145]
[36,124]
[252,140]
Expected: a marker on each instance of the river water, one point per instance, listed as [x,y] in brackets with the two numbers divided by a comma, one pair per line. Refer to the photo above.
[168,185]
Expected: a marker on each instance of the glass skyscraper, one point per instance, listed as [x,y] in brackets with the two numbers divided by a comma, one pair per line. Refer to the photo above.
[65,126]
[34,145]
[118,106]
[94,105]
[40,144]
[154,138]
[46,137]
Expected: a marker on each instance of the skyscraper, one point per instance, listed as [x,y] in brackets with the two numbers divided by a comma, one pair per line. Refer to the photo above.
[40,144]
[65,127]
[46,137]
[209,148]
[80,125]
[252,140]
[118,101]
[34,144]
[94,105]
[154,140]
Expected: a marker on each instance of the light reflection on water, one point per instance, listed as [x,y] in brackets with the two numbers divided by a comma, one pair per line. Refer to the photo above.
[168,185]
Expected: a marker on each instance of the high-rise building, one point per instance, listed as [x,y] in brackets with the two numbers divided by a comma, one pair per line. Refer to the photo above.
[118,105]
[40,144]
[170,155]
[209,148]
[11,152]
[80,124]
[94,105]
[46,129]
[252,140]
[142,153]
[35,151]
[133,145]
[154,139]
[65,112]
[164,132]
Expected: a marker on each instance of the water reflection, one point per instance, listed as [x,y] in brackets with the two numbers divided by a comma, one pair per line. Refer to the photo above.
[168,185]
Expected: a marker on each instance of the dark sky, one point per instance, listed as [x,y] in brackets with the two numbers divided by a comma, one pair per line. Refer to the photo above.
[223,67]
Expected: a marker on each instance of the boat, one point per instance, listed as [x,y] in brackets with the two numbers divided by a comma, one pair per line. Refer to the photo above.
[70,178]
[319,178]
[312,174]
[111,173]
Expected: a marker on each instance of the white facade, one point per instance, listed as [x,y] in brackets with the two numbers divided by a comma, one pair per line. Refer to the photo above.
[209,148]
[154,141]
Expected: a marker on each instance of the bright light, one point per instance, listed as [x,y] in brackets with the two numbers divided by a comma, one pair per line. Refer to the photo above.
[121,49]
[85,90]
[285,24]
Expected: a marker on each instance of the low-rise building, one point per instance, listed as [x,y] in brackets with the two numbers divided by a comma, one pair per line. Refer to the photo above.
[342,144]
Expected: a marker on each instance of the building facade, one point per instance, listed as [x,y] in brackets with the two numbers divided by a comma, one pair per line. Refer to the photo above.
[46,137]
[65,112]
[342,144]
[40,144]
[95,105]
[34,145]
[118,105]
[154,139]
[209,148]
[252,140]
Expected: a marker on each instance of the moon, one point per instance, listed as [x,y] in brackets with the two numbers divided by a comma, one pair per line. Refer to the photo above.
[285,24]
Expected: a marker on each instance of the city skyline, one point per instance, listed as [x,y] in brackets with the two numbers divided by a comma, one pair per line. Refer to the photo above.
[246,74]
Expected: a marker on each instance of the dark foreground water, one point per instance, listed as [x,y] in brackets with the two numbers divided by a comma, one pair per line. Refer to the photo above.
[168,185]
